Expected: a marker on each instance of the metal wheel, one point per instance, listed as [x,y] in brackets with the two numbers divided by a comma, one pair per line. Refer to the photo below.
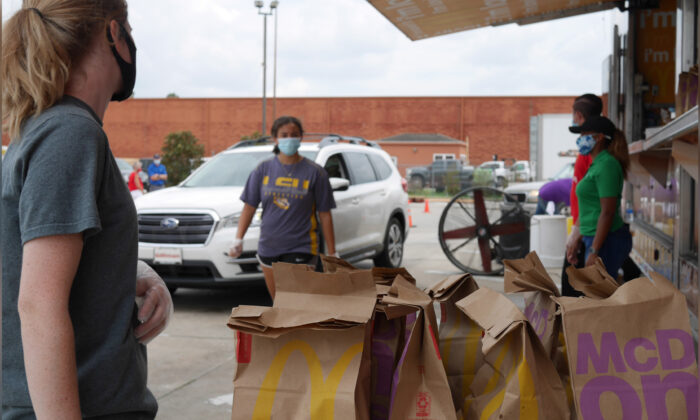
[480,227]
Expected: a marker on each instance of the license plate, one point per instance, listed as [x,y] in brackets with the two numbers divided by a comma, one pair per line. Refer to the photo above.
[167,256]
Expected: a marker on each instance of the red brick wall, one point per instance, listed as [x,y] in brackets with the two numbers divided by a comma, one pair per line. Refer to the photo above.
[494,125]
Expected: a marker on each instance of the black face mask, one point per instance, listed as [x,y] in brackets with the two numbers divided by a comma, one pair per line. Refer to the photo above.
[128,70]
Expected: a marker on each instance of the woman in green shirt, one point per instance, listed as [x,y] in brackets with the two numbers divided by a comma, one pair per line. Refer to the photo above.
[601,228]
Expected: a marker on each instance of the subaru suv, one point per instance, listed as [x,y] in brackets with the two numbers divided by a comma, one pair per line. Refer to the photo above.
[186,231]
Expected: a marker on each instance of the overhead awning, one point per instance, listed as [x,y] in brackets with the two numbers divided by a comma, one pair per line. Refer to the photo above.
[419,19]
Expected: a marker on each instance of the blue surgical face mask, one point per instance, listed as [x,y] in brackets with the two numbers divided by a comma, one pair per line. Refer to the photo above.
[585,144]
[289,145]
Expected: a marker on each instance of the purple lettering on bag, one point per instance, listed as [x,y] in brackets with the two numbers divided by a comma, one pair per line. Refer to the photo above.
[609,351]
[544,316]
[632,361]
[592,391]
[664,337]
[655,391]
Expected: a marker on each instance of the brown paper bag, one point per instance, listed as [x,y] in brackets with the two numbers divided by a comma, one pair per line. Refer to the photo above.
[528,275]
[631,355]
[593,281]
[460,337]
[518,379]
[382,275]
[302,358]
[419,385]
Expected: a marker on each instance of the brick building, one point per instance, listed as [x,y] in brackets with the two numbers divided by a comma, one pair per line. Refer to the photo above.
[484,126]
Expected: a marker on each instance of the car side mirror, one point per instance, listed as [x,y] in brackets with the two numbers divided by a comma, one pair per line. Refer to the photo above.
[339,184]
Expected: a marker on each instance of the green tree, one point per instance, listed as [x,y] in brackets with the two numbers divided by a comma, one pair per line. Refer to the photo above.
[181,155]
[172,95]
[253,136]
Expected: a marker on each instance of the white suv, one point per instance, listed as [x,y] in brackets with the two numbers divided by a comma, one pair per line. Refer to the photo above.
[185,231]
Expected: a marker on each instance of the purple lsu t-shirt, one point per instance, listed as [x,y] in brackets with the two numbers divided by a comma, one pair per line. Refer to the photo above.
[290,195]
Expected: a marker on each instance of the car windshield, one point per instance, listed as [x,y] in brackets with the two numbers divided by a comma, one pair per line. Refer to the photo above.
[566,172]
[231,169]
[123,165]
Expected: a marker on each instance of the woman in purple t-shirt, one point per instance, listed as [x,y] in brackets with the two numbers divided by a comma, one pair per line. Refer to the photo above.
[291,189]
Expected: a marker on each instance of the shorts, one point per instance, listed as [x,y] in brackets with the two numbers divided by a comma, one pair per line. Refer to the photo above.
[293,258]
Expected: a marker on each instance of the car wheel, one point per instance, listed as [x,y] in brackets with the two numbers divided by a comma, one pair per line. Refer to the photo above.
[417,182]
[392,254]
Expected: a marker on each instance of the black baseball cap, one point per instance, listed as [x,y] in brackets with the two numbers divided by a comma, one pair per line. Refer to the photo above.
[595,125]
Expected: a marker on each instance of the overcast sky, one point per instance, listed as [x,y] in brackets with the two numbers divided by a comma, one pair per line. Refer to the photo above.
[213,48]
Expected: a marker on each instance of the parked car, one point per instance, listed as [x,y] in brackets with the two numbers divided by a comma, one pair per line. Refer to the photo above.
[441,174]
[520,171]
[126,169]
[499,172]
[186,230]
[528,193]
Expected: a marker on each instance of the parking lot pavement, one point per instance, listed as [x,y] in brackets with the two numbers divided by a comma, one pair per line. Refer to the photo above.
[191,365]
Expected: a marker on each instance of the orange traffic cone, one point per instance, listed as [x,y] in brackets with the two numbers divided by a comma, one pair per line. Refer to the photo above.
[410,219]
[427,206]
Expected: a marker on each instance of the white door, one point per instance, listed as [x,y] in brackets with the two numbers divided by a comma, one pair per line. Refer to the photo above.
[369,194]
[345,222]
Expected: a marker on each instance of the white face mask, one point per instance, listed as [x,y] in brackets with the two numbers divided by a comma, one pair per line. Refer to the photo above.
[157,161]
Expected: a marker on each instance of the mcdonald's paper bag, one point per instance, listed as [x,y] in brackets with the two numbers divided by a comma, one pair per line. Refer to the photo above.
[419,385]
[593,281]
[302,357]
[518,380]
[459,336]
[381,275]
[631,355]
[528,276]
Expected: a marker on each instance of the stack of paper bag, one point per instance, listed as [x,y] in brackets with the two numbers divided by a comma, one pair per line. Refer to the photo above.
[303,357]
[460,337]
[518,380]
[419,387]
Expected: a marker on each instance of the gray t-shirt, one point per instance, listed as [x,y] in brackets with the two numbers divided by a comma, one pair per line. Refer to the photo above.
[61,178]
[290,195]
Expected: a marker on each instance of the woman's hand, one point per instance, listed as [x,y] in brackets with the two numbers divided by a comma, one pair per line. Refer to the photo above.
[157,308]
[236,248]
[591,259]
[573,243]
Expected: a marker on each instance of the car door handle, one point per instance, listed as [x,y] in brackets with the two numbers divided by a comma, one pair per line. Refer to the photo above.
[383,193]
[355,201]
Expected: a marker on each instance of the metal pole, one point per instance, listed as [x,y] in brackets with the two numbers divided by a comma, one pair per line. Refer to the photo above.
[274,74]
[264,92]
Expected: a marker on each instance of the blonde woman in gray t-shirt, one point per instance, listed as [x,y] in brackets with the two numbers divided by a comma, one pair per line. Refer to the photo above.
[73,343]
[291,189]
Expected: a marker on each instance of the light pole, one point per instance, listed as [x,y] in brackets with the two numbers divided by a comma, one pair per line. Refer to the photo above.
[273,5]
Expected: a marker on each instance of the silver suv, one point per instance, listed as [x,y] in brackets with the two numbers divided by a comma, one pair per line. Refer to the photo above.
[184,231]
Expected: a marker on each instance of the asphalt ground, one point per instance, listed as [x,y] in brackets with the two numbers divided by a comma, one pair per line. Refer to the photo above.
[191,365]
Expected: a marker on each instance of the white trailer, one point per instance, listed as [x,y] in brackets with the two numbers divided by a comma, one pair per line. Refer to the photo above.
[551,144]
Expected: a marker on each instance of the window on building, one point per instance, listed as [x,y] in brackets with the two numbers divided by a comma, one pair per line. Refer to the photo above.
[443,156]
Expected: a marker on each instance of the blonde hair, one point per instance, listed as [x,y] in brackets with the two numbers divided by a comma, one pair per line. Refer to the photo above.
[40,45]
[617,147]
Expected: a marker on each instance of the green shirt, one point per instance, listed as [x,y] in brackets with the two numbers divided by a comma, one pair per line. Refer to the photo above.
[604,179]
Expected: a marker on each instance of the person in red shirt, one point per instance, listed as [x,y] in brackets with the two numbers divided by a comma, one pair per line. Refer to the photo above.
[585,106]
[135,184]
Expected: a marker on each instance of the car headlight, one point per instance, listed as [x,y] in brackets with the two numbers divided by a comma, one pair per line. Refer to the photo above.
[257,218]
[231,220]
[533,196]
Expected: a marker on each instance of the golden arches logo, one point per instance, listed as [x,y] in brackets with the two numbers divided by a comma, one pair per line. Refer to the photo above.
[472,343]
[322,390]
[528,401]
